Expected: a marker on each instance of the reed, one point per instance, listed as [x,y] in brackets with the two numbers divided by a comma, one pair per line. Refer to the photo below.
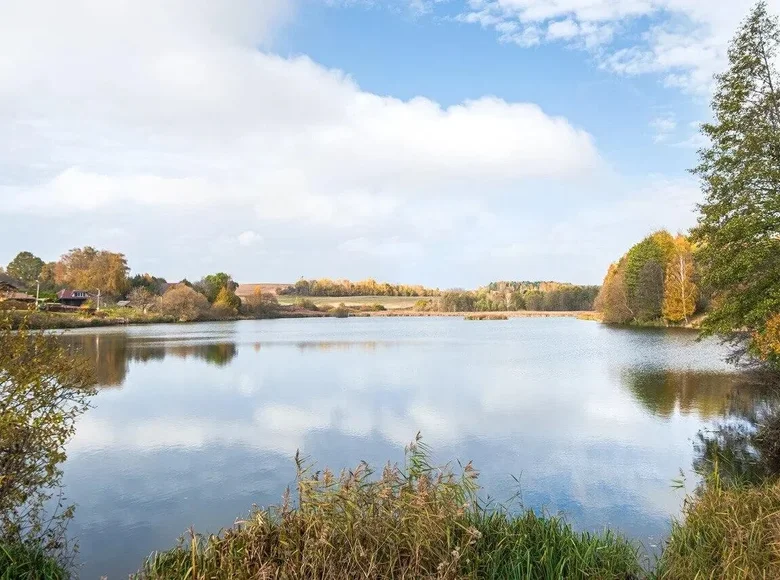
[726,533]
[22,561]
[416,522]
[486,316]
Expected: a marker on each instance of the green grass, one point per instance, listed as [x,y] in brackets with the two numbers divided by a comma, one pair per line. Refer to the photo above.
[22,562]
[389,302]
[415,522]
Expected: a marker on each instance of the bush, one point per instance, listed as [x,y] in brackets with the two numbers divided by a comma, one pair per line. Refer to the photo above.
[43,389]
[260,305]
[16,305]
[184,303]
[341,311]
[305,304]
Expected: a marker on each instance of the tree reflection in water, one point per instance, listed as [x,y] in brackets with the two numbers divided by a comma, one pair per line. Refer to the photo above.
[112,353]
[742,442]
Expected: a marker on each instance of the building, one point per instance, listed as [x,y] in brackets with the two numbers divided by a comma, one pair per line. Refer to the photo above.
[73,297]
[9,284]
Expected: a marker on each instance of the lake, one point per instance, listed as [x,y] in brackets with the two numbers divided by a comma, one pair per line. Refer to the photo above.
[196,423]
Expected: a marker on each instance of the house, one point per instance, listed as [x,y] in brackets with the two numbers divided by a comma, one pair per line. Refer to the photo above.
[73,297]
[9,284]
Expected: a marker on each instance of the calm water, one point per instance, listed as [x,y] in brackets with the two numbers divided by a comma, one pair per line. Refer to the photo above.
[195,423]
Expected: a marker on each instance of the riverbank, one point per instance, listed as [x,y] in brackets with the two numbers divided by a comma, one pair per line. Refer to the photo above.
[127,316]
[40,320]
[583,315]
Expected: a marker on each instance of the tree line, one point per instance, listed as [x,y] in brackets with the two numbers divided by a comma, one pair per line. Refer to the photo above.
[337,288]
[557,297]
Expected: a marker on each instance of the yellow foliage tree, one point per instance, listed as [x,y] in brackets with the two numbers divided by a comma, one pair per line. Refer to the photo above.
[680,291]
[227,301]
[768,341]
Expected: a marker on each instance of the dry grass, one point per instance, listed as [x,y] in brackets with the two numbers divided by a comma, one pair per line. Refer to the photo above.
[727,533]
[486,316]
[416,522]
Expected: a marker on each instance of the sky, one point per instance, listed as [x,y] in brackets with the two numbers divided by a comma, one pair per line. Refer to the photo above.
[442,142]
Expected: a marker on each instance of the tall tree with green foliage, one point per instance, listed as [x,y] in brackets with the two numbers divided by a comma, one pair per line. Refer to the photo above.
[738,230]
[26,267]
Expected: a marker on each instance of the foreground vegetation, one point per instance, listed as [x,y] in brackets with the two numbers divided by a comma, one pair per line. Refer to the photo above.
[416,522]
[43,390]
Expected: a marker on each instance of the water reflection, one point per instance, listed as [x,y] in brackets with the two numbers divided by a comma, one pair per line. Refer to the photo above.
[595,422]
[708,394]
[112,353]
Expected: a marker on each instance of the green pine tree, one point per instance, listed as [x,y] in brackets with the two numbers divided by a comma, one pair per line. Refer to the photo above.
[738,232]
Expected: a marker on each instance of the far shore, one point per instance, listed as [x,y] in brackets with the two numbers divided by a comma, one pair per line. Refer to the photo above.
[581,314]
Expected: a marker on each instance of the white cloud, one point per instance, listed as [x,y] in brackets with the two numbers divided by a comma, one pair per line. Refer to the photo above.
[117,105]
[663,127]
[686,42]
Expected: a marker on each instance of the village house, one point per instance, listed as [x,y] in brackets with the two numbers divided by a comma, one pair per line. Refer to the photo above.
[73,297]
[11,289]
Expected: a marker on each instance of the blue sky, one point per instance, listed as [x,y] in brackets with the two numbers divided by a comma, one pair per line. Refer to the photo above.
[448,142]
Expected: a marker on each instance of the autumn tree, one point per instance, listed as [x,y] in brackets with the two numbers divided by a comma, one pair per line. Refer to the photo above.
[43,390]
[48,276]
[211,285]
[226,302]
[260,304]
[649,293]
[151,283]
[767,341]
[184,303]
[680,291]
[142,298]
[88,269]
[738,229]
[612,300]
[26,267]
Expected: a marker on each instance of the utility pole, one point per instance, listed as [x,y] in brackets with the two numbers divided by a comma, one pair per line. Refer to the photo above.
[98,302]
[38,295]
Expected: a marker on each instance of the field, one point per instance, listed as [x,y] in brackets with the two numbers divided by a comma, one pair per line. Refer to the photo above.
[389,302]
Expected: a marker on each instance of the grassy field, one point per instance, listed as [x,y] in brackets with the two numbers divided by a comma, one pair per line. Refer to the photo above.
[389,302]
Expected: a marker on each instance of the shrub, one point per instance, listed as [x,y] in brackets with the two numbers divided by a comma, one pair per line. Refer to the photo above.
[306,304]
[260,305]
[43,389]
[184,303]
[341,311]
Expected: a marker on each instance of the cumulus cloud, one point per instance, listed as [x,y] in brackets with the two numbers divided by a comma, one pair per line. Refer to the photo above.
[179,125]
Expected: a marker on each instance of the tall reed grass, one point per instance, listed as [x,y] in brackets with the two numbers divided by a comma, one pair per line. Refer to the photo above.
[418,521]
[729,533]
